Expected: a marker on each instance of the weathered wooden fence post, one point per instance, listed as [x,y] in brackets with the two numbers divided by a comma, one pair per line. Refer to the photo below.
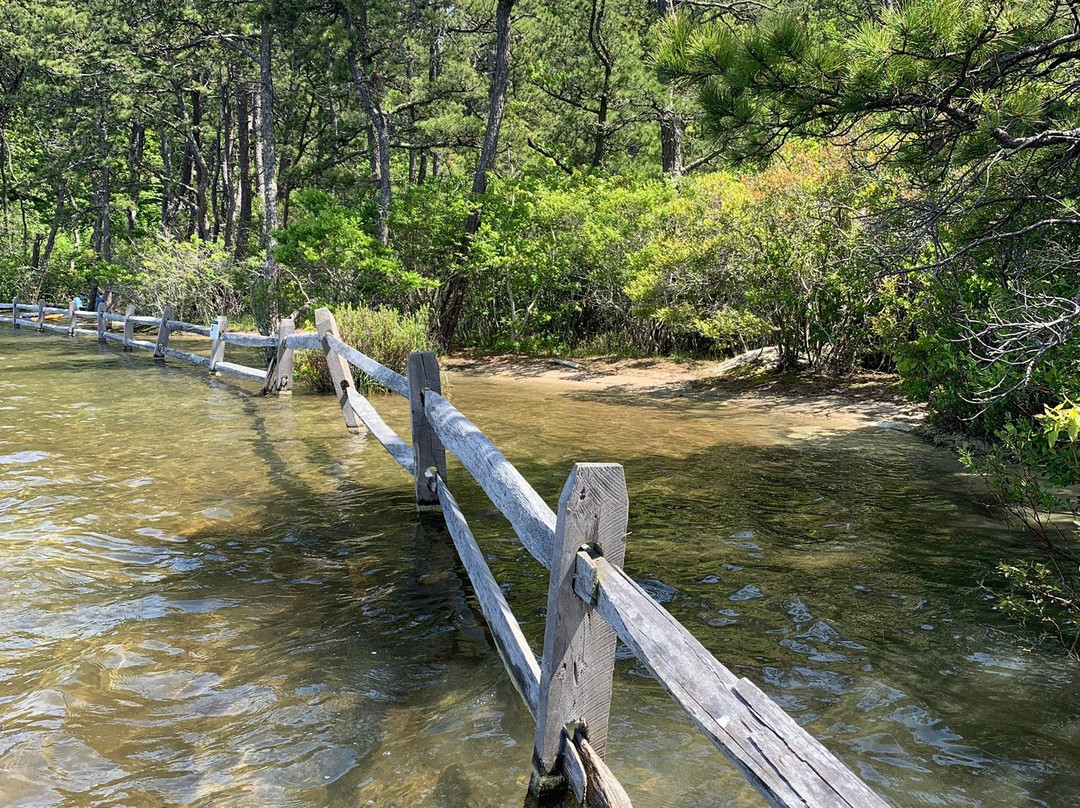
[579,647]
[129,327]
[428,449]
[217,341]
[340,373]
[102,324]
[163,332]
[73,320]
[15,313]
[282,379]
[40,315]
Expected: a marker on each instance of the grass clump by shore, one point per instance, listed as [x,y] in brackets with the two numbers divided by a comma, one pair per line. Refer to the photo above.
[384,334]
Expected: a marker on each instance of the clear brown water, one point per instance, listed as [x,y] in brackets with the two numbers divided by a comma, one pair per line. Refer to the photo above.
[212,599]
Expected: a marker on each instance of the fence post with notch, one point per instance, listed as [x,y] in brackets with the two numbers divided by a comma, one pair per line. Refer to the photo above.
[340,373]
[579,646]
[428,450]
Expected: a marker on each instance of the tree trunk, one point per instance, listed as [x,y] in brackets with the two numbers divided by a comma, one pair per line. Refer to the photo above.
[269,156]
[410,74]
[228,189]
[35,257]
[672,125]
[4,178]
[500,81]
[166,181]
[243,150]
[182,196]
[136,147]
[435,68]
[103,224]
[600,49]
[454,299]
[217,201]
[202,172]
[58,215]
[367,87]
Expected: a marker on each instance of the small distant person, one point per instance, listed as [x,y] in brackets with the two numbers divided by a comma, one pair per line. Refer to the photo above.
[77,300]
[99,302]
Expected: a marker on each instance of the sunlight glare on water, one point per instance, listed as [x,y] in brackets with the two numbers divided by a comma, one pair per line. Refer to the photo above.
[212,598]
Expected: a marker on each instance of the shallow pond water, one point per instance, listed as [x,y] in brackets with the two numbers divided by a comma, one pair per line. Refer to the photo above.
[211,598]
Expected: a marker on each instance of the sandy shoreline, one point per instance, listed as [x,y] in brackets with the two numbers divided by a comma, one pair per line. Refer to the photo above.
[858,401]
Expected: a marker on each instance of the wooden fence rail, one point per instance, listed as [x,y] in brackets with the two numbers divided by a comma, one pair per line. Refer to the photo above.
[591,599]
[164,324]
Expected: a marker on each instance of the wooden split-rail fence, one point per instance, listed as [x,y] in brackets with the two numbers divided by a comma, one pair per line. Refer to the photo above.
[591,600]
[277,377]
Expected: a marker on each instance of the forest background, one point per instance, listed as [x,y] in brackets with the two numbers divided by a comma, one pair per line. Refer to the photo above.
[888,186]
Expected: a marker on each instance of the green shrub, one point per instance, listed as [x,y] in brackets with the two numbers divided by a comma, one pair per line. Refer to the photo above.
[1032,469]
[781,257]
[197,277]
[327,253]
[384,334]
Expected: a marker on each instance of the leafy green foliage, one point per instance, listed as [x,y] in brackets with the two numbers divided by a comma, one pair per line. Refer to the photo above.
[328,253]
[975,102]
[551,260]
[773,258]
[197,278]
[1033,467]
[1044,598]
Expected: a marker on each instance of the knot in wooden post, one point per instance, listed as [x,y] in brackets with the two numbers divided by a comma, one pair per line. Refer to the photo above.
[579,646]
[280,377]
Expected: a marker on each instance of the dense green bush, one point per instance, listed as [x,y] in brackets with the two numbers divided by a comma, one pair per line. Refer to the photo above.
[781,257]
[198,278]
[727,262]
[327,252]
[66,274]
[383,334]
[548,267]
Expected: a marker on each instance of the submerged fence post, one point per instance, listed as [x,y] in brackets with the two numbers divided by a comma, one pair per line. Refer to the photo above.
[340,373]
[163,332]
[129,327]
[428,449]
[40,315]
[579,647]
[72,318]
[217,341]
[15,313]
[282,379]
[101,323]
